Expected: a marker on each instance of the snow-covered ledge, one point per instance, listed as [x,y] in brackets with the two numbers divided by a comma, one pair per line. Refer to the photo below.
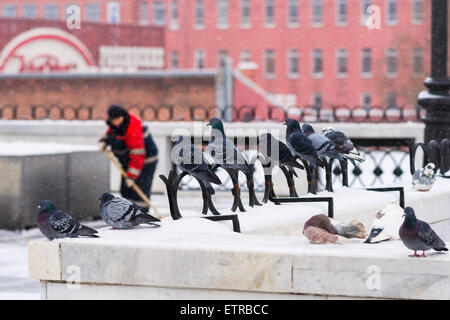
[200,259]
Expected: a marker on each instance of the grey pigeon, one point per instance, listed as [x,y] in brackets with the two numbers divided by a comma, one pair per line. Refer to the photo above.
[121,213]
[324,146]
[423,179]
[192,160]
[56,224]
[343,145]
[280,154]
[300,145]
[417,235]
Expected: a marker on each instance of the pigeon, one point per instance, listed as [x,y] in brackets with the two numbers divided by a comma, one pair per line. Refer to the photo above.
[121,213]
[423,179]
[55,223]
[324,146]
[279,155]
[386,224]
[320,221]
[319,236]
[343,145]
[300,145]
[351,229]
[192,160]
[417,235]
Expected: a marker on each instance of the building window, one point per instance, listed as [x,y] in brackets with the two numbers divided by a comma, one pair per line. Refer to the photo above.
[199,14]
[93,12]
[245,14]
[418,61]
[51,11]
[113,12]
[391,12]
[293,65]
[366,100]
[391,62]
[293,13]
[173,24]
[365,4]
[341,63]
[317,101]
[391,100]
[159,14]
[366,62]
[245,56]
[174,60]
[270,64]
[30,11]
[143,12]
[317,12]
[221,56]
[317,63]
[417,15]
[9,11]
[199,59]
[222,14]
[341,12]
[269,13]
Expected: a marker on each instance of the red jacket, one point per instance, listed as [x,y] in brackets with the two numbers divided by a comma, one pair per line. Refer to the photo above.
[134,141]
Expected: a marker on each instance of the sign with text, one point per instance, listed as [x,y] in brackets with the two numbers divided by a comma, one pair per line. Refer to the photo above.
[131,58]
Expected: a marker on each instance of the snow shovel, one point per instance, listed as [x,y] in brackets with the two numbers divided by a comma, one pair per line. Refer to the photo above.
[134,186]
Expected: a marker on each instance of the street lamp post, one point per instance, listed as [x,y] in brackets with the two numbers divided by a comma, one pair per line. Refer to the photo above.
[436,100]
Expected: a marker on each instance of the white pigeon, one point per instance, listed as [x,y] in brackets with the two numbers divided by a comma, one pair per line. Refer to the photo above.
[386,224]
[423,179]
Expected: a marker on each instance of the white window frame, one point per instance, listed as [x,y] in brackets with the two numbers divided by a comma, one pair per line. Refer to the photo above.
[174,23]
[422,58]
[30,5]
[290,54]
[341,53]
[388,21]
[157,10]
[363,73]
[174,54]
[51,5]
[143,21]
[316,75]
[197,53]
[246,25]
[391,53]
[413,18]
[266,57]
[89,4]
[295,24]
[362,102]
[196,25]
[10,6]
[110,6]
[364,15]
[339,23]
[272,23]
[316,24]
[220,24]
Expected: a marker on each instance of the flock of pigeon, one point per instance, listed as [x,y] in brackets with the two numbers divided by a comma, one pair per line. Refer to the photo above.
[303,143]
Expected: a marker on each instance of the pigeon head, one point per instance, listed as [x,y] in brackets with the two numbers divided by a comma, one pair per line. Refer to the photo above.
[292,125]
[410,217]
[46,205]
[429,169]
[327,130]
[217,124]
[307,129]
[105,197]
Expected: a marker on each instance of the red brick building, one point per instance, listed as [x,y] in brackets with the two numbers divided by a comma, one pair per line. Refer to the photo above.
[295,52]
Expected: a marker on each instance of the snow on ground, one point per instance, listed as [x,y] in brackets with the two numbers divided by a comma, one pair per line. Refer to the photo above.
[22,148]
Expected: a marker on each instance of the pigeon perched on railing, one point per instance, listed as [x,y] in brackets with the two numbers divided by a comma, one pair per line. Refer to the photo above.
[343,145]
[279,155]
[193,161]
[417,235]
[423,179]
[300,145]
[324,146]
[121,213]
[55,223]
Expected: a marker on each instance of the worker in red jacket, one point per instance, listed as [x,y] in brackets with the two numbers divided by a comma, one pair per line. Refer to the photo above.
[133,145]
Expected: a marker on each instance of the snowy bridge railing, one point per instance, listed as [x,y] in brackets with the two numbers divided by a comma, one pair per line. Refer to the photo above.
[245,113]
